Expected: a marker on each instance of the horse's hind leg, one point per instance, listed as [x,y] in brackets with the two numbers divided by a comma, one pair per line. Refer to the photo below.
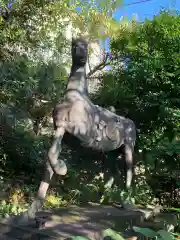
[129,164]
[112,167]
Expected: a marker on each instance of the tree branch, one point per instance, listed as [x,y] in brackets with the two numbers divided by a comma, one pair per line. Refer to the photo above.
[90,69]
[100,66]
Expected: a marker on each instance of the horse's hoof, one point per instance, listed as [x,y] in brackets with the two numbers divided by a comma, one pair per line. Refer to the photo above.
[40,222]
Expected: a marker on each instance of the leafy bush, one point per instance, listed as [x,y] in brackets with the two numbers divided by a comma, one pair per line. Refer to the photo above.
[148,233]
[160,235]
[7,209]
[143,84]
[53,201]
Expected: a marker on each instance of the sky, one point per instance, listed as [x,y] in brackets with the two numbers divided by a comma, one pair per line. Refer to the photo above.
[144,9]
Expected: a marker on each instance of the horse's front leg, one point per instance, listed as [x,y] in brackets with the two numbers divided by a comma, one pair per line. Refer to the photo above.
[53,154]
[59,167]
[37,204]
[52,162]
[29,216]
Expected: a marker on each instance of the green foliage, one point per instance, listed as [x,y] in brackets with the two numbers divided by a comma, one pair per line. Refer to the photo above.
[174,209]
[19,146]
[112,234]
[7,209]
[161,234]
[34,57]
[145,231]
[144,84]
[150,51]
[53,201]
[148,233]
[79,238]
[108,233]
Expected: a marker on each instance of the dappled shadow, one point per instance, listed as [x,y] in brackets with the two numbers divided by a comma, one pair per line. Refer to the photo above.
[79,221]
[89,221]
[88,171]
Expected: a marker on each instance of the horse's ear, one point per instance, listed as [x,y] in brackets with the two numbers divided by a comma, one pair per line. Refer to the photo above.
[73,40]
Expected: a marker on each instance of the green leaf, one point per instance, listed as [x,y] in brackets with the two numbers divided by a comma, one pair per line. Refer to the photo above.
[145,231]
[170,74]
[113,234]
[174,209]
[79,238]
[177,113]
[178,183]
[165,235]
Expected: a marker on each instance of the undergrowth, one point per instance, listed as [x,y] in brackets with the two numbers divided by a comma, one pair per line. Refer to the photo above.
[16,199]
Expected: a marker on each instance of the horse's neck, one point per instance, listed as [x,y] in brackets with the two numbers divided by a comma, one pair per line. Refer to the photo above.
[77,80]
